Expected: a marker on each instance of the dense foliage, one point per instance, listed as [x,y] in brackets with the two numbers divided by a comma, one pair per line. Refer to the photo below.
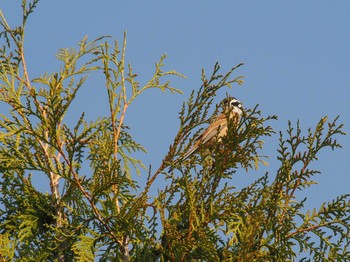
[97,208]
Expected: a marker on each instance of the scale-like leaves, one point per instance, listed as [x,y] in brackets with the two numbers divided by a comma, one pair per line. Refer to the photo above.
[100,205]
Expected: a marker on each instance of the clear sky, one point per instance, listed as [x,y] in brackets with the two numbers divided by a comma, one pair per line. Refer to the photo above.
[296,55]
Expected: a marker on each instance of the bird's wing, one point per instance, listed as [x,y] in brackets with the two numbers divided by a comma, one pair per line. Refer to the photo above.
[218,124]
[212,130]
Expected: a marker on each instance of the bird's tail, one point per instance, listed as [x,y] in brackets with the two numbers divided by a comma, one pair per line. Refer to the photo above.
[190,152]
[185,156]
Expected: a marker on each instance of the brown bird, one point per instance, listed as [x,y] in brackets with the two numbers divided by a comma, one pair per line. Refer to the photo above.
[218,128]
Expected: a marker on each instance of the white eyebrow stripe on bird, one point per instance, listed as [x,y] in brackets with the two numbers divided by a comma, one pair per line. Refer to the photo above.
[235,101]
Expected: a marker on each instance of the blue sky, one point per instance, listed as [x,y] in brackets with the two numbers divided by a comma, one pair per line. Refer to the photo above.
[296,55]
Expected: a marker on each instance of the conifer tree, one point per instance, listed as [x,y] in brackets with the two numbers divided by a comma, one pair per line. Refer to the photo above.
[97,207]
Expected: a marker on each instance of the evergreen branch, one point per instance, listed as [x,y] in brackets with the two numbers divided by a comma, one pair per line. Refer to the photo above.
[91,201]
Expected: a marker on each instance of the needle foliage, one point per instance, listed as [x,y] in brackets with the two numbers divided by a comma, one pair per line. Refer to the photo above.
[98,206]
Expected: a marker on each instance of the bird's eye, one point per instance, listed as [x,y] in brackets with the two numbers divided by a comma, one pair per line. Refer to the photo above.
[235,103]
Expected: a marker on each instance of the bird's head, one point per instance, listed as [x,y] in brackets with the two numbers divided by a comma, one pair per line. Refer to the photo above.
[232,104]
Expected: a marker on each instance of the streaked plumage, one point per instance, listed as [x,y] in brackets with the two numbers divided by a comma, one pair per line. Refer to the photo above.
[218,128]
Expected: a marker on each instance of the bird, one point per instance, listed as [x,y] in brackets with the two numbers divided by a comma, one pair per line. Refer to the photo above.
[232,109]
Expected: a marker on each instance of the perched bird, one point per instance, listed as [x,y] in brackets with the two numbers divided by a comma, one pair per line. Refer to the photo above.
[233,109]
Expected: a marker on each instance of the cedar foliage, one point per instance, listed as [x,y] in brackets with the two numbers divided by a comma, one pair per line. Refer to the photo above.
[98,209]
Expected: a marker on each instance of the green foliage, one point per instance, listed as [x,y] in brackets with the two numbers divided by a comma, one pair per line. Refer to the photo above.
[97,206]
[7,247]
[83,249]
